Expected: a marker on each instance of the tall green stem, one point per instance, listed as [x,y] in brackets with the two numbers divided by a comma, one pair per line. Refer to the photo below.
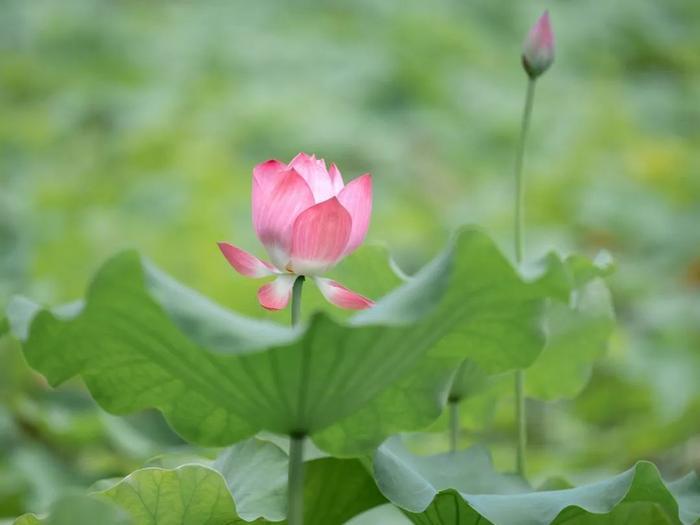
[520,414]
[518,226]
[295,474]
[295,481]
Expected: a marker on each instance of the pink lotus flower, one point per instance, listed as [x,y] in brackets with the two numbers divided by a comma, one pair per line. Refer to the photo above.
[308,220]
[538,51]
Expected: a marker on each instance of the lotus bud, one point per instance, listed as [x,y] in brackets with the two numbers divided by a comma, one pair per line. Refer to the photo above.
[538,51]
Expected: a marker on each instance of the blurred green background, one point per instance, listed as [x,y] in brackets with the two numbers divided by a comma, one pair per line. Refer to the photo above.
[137,124]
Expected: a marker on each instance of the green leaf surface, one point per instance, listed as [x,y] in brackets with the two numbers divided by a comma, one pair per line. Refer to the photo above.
[478,396]
[143,340]
[4,326]
[576,337]
[79,510]
[556,276]
[578,319]
[387,514]
[469,380]
[635,513]
[462,488]
[335,490]
[256,474]
[413,481]
[188,495]
[247,484]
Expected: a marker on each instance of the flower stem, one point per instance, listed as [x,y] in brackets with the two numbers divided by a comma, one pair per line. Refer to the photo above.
[295,474]
[454,424]
[295,480]
[296,300]
[520,415]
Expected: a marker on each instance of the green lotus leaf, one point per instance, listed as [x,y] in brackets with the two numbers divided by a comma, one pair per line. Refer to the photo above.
[412,482]
[582,270]
[4,326]
[579,321]
[469,380]
[335,490]
[246,484]
[189,495]
[557,276]
[79,510]
[462,488]
[576,337]
[477,406]
[143,340]
[256,474]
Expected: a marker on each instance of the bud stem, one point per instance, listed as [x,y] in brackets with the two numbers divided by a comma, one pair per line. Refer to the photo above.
[520,414]
[527,112]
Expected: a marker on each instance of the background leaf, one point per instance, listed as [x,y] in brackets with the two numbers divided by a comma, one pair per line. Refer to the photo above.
[79,510]
[458,488]
[413,482]
[256,474]
[576,337]
[253,475]
[189,495]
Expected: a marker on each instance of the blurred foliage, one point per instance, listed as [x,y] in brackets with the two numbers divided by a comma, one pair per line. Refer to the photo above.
[132,124]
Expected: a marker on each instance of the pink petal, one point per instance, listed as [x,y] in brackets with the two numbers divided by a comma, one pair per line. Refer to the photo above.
[266,176]
[269,173]
[244,262]
[314,172]
[336,179]
[319,237]
[335,293]
[538,51]
[275,211]
[541,34]
[275,295]
[356,197]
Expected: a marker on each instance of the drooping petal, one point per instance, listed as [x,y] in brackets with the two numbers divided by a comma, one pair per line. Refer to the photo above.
[336,179]
[274,213]
[319,237]
[245,263]
[356,197]
[335,293]
[315,174]
[275,295]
